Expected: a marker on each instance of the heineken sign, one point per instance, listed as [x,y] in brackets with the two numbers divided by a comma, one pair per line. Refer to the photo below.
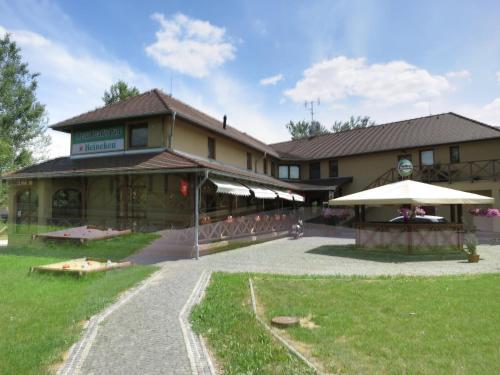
[94,141]
[405,168]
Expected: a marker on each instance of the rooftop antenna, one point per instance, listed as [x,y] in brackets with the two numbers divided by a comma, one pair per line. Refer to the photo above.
[310,106]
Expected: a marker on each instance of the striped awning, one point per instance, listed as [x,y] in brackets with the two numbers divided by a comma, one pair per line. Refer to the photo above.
[262,192]
[284,195]
[230,187]
[298,198]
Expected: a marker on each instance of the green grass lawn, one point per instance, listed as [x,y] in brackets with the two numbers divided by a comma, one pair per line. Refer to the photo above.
[385,325]
[41,315]
[240,344]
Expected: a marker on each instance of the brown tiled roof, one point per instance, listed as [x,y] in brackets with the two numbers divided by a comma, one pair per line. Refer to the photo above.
[445,128]
[67,166]
[138,163]
[155,102]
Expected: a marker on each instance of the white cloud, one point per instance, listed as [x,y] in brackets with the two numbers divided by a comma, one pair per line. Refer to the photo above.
[190,46]
[70,83]
[273,80]
[465,74]
[386,83]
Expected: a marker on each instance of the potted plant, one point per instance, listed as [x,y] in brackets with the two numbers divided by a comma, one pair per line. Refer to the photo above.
[471,247]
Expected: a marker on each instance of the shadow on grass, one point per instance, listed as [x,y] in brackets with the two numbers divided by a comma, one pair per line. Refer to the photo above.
[347,251]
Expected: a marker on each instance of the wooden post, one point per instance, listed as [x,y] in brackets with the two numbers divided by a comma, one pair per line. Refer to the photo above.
[452,213]
[363,213]
[459,213]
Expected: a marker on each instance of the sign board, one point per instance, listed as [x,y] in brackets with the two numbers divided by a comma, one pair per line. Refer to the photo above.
[98,140]
[405,168]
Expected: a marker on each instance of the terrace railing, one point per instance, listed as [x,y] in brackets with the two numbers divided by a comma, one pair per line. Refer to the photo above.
[450,173]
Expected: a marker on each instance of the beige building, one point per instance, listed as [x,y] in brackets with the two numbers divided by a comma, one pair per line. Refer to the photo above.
[147,162]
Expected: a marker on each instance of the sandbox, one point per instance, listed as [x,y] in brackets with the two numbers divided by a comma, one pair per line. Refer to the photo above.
[81,266]
[82,234]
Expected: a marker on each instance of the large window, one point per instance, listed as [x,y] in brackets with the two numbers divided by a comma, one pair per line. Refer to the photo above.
[334,168]
[289,172]
[138,135]
[314,171]
[211,148]
[454,154]
[249,161]
[427,157]
[66,207]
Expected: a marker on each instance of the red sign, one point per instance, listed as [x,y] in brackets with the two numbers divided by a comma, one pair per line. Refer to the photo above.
[184,188]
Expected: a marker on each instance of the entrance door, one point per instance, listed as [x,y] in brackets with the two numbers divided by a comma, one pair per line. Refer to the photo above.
[27,207]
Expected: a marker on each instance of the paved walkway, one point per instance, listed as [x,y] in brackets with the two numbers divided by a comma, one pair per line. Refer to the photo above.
[144,336]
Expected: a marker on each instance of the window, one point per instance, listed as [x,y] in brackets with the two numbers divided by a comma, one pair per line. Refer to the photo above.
[454,154]
[264,165]
[314,171]
[249,161]
[334,168]
[66,207]
[211,148]
[294,172]
[138,135]
[427,157]
[291,172]
[283,172]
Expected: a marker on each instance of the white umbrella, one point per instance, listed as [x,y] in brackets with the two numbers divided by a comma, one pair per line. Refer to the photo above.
[410,192]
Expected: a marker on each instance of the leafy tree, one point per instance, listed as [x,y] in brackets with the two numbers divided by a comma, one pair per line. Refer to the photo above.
[304,129]
[352,123]
[119,91]
[23,122]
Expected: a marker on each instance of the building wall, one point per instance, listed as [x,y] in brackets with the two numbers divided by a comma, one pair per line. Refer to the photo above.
[194,140]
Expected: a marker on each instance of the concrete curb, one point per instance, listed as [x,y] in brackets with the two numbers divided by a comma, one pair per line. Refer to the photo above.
[79,351]
[201,363]
[278,337]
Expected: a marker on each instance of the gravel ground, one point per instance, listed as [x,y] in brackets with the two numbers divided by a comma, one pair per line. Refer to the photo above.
[144,336]
[287,256]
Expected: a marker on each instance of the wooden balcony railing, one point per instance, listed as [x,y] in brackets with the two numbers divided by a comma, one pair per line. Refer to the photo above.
[450,173]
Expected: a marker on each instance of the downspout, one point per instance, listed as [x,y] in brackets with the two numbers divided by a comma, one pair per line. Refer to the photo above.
[171,135]
[197,193]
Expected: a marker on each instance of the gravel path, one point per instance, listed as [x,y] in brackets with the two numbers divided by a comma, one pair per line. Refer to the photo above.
[144,335]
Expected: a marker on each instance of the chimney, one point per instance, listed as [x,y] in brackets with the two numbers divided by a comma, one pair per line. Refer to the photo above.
[224,122]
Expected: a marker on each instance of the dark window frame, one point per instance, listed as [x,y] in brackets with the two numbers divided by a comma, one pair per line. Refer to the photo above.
[249,161]
[289,166]
[331,163]
[131,127]
[212,148]
[433,157]
[317,170]
[454,147]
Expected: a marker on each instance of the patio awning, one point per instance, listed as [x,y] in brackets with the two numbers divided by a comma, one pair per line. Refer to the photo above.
[284,195]
[410,192]
[233,188]
[298,198]
[261,192]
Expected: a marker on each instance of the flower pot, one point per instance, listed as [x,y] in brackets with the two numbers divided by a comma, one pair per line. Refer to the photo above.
[473,258]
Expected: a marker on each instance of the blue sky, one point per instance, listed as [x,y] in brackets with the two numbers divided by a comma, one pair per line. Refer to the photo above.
[258,61]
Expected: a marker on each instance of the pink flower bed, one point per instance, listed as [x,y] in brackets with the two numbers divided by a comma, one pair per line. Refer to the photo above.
[485,212]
